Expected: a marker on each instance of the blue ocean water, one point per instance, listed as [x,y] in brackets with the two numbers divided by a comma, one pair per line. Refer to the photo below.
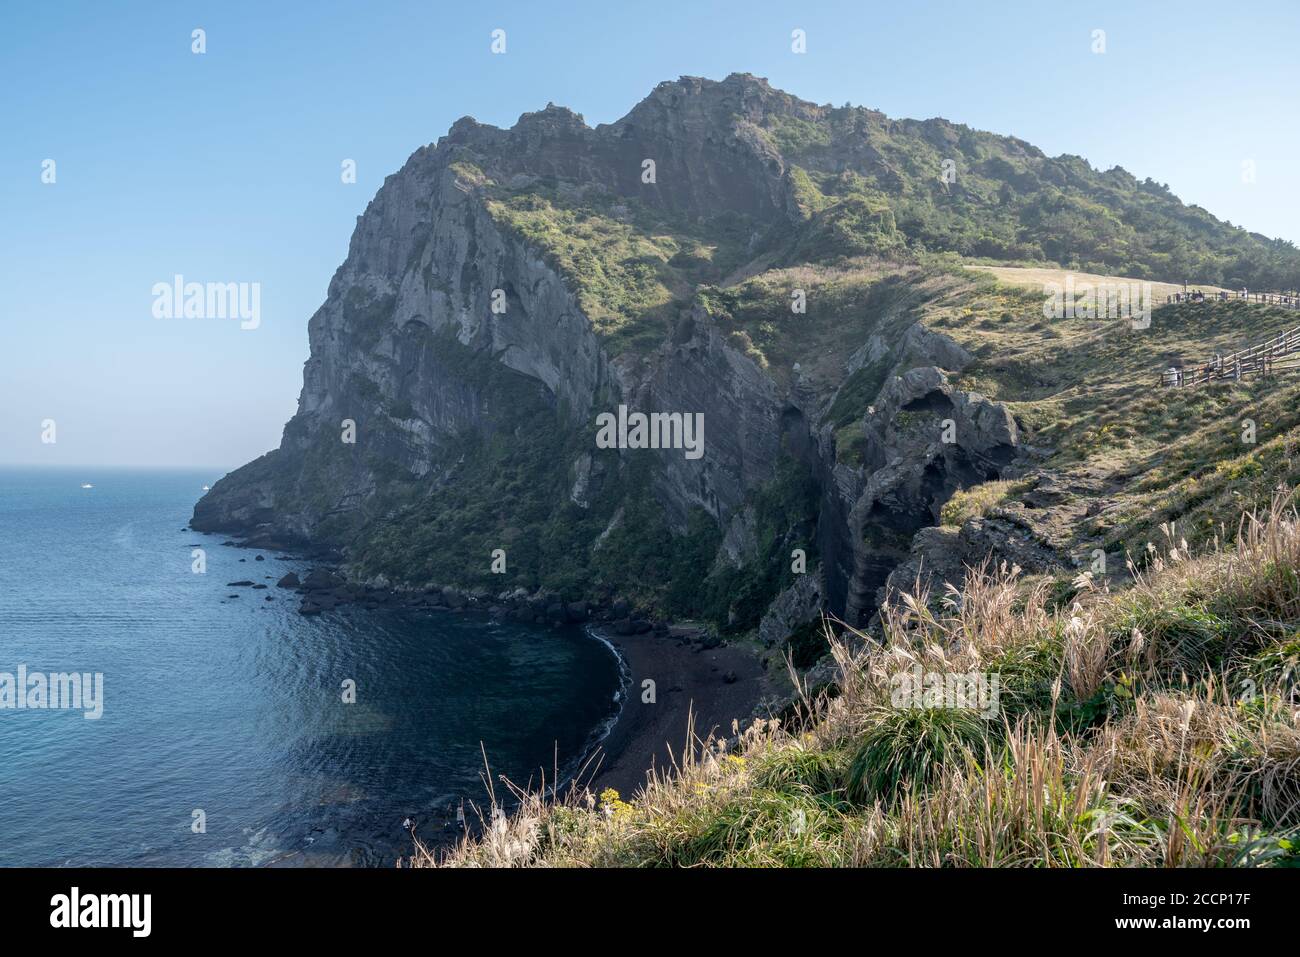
[234,706]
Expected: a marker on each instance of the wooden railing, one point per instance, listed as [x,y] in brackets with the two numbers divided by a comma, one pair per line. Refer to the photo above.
[1279,354]
[1283,300]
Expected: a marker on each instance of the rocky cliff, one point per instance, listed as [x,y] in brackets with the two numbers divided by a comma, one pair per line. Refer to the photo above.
[724,250]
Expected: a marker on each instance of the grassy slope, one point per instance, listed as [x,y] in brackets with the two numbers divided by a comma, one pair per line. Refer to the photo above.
[1144,455]
[1037,278]
[1084,389]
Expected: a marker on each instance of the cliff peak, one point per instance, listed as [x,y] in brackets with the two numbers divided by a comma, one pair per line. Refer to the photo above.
[552,117]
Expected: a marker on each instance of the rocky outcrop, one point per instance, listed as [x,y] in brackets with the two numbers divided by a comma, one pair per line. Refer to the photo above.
[793,607]
[422,269]
[739,542]
[697,369]
[1037,530]
[924,441]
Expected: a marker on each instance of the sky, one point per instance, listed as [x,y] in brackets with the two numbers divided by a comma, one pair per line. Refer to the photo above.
[224,166]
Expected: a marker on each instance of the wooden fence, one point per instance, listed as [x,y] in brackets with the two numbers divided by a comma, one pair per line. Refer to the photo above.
[1279,354]
[1283,300]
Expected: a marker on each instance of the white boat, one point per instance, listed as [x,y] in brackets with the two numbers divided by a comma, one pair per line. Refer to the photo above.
[86,485]
[205,488]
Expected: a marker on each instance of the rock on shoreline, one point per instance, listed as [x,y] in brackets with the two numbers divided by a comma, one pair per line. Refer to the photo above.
[325,588]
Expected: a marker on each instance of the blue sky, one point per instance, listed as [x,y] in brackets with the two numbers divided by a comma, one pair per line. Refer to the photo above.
[225,166]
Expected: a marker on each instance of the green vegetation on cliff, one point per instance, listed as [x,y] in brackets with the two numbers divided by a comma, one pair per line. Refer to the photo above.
[1005,200]
[860,184]
[630,265]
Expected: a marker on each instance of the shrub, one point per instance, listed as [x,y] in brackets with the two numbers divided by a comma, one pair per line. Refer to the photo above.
[903,748]
[978,501]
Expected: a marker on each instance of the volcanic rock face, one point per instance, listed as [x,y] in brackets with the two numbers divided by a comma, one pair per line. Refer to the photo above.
[444,321]
[925,440]
[698,370]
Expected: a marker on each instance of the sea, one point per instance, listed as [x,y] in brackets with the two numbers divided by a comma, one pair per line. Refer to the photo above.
[235,732]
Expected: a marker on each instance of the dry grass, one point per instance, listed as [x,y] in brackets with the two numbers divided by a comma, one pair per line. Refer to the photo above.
[1036,278]
[979,500]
